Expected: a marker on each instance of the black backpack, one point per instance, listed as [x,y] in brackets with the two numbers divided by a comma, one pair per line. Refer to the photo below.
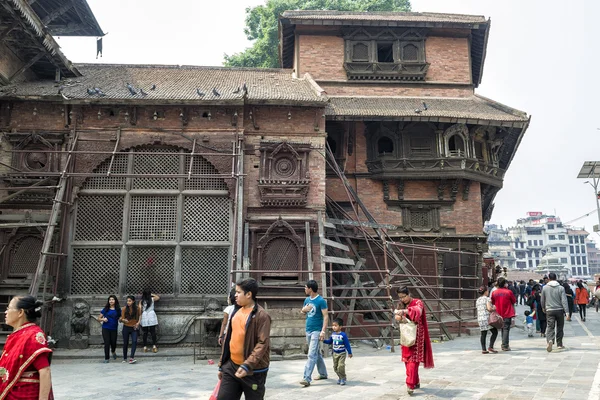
[530,301]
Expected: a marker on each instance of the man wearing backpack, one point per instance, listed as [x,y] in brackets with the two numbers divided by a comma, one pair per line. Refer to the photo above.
[554,304]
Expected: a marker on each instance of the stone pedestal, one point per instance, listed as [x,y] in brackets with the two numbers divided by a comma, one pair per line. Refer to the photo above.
[79,342]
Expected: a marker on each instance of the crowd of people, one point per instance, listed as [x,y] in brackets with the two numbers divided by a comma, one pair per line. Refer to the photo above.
[549,304]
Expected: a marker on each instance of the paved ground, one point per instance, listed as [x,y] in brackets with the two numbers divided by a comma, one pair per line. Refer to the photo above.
[462,372]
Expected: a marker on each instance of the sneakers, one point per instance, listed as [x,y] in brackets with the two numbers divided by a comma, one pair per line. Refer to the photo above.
[418,385]
[105,361]
[506,349]
[560,347]
[343,382]
[154,349]
[305,383]
[409,391]
[491,350]
[549,347]
[123,362]
[132,361]
[114,356]
[320,377]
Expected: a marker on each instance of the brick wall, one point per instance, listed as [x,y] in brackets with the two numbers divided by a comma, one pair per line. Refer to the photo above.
[322,57]
[449,59]
[395,89]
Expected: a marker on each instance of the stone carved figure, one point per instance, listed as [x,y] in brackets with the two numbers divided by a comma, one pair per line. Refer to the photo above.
[80,319]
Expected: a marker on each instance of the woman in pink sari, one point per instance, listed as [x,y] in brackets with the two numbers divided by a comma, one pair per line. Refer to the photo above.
[420,352]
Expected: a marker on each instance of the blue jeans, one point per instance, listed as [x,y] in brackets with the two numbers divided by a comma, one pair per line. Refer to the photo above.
[314,356]
[129,331]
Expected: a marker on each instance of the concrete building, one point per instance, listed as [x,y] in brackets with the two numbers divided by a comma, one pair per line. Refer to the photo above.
[524,245]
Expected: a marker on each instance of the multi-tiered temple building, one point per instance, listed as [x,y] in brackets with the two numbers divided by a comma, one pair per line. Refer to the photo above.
[181,177]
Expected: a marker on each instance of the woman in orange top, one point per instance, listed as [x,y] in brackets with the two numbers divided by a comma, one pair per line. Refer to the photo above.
[130,317]
[582,297]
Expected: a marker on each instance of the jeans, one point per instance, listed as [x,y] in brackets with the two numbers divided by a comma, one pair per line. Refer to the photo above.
[506,332]
[556,321]
[110,341]
[314,356]
[494,333]
[129,330]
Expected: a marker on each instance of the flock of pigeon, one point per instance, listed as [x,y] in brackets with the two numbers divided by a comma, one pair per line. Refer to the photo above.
[98,92]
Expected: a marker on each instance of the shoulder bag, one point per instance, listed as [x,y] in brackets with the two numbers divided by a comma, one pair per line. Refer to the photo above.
[408,334]
[495,320]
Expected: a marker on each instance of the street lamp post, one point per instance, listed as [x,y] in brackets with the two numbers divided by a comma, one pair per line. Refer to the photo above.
[591,170]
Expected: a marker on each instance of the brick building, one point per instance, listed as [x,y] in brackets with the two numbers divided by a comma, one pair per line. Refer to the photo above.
[176,177]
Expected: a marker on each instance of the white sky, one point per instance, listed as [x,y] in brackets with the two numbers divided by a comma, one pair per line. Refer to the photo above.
[542,58]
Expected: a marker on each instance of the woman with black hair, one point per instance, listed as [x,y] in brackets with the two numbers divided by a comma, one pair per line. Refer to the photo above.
[130,317]
[25,362]
[148,320]
[414,310]
[226,315]
[109,318]
[582,298]
[570,299]
[484,307]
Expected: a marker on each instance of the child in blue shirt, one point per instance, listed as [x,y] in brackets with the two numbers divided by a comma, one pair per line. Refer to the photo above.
[529,322]
[341,346]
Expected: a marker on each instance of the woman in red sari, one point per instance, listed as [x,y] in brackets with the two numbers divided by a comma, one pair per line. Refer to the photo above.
[420,352]
[24,364]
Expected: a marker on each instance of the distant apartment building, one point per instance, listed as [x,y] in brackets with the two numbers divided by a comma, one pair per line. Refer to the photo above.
[537,236]
[593,257]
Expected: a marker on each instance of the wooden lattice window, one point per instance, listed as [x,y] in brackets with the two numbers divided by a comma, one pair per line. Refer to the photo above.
[280,252]
[410,52]
[360,52]
[420,219]
[168,233]
[24,256]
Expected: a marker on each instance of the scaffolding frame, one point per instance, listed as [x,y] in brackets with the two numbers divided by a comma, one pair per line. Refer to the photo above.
[63,194]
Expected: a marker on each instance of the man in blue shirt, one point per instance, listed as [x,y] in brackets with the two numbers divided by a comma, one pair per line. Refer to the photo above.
[315,308]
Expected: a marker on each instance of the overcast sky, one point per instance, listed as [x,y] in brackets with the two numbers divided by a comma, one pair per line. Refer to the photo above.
[542,58]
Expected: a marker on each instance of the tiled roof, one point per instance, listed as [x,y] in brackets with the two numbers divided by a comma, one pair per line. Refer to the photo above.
[385,16]
[423,108]
[172,84]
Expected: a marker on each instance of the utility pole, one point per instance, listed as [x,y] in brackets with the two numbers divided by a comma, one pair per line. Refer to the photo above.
[591,170]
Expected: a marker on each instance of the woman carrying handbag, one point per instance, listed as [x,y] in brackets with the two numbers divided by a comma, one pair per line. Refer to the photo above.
[420,352]
[484,307]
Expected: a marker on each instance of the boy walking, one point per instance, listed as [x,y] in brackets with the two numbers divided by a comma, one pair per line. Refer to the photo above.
[529,322]
[341,346]
[246,350]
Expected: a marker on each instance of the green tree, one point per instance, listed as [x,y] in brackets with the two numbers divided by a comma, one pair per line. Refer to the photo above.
[262,26]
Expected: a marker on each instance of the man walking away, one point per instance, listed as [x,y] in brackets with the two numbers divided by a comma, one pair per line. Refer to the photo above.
[315,308]
[522,287]
[554,304]
[504,300]
[246,349]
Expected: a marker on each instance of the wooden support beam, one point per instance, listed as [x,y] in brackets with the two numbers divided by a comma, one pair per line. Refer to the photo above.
[337,245]
[57,13]
[8,30]
[338,260]
[28,65]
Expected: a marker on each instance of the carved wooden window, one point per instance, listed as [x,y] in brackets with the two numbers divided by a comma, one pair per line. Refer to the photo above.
[421,146]
[393,54]
[410,52]
[456,146]
[385,52]
[385,145]
[283,178]
[479,150]
[280,252]
[420,218]
[360,51]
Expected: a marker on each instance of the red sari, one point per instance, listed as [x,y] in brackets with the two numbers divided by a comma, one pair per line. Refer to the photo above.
[24,353]
[421,351]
